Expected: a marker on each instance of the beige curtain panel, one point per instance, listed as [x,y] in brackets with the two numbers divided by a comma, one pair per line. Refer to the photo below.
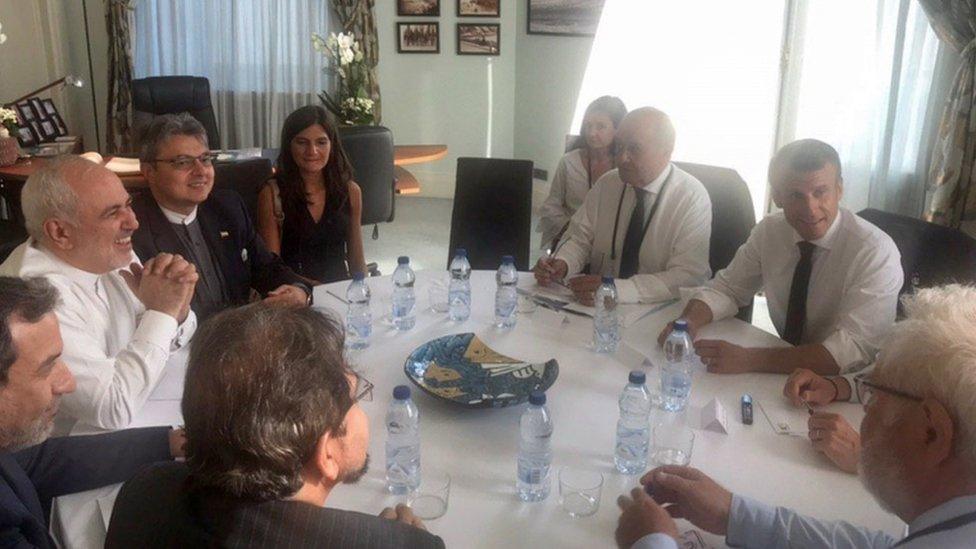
[356,16]
[952,173]
[118,19]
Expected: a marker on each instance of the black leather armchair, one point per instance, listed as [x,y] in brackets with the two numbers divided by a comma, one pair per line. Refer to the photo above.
[370,151]
[159,95]
[247,177]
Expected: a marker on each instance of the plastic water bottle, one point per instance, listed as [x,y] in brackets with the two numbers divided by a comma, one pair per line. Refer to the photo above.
[676,371]
[402,443]
[633,427]
[506,296]
[459,290]
[359,319]
[404,316]
[606,322]
[534,450]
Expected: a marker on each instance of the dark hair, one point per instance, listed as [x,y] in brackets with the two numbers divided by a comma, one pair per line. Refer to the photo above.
[263,384]
[25,300]
[609,105]
[338,170]
[165,126]
[804,155]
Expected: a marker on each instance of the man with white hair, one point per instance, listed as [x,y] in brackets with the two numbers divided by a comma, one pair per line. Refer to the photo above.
[120,320]
[648,222]
[918,456]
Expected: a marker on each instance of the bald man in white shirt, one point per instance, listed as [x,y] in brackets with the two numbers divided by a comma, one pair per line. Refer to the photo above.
[831,279]
[120,320]
[648,222]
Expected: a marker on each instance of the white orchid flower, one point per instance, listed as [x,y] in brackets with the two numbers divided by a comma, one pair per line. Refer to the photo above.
[332,42]
[345,40]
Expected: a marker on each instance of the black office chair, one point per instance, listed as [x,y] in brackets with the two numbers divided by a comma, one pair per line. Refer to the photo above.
[492,213]
[733,216]
[370,151]
[931,255]
[158,95]
[12,234]
[247,177]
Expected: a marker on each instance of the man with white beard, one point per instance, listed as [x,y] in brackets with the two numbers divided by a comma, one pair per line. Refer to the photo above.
[918,453]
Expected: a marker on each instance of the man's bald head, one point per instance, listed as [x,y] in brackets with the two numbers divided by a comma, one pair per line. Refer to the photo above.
[645,141]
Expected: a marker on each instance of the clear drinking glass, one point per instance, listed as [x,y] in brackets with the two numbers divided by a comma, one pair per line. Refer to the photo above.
[430,499]
[580,491]
[672,444]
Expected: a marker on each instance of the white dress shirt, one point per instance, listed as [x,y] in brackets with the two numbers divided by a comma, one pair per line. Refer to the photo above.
[755,524]
[570,183]
[674,252]
[177,218]
[113,346]
[853,291]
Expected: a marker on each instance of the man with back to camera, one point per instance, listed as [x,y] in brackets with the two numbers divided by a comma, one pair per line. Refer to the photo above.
[263,459]
[648,222]
[33,379]
[918,457]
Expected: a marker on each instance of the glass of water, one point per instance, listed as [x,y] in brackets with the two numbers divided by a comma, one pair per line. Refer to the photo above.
[430,500]
[672,445]
[579,491]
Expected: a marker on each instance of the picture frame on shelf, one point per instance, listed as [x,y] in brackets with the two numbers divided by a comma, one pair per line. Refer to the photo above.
[26,136]
[478,39]
[25,112]
[59,124]
[563,17]
[421,37]
[35,126]
[49,108]
[478,8]
[37,106]
[419,8]
[48,130]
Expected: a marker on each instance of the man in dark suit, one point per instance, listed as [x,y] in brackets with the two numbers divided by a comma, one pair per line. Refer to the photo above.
[183,214]
[263,457]
[32,380]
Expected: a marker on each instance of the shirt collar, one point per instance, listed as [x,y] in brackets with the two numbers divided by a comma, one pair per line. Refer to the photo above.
[654,187]
[828,239]
[946,511]
[177,218]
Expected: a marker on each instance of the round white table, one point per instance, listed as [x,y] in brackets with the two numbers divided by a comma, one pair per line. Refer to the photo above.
[478,447]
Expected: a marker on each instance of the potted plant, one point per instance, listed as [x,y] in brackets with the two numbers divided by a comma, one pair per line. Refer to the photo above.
[350,103]
[9,150]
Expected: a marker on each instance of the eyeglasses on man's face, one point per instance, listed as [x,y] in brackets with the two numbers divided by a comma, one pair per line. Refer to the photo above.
[866,389]
[185,163]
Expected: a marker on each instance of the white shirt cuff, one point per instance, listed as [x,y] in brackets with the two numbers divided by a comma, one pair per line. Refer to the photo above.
[655,541]
[722,306]
[186,330]
[156,328]
[627,291]
[845,351]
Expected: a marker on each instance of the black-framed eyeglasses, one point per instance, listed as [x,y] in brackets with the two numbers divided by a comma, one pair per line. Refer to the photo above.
[364,389]
[865,390]
[184,162]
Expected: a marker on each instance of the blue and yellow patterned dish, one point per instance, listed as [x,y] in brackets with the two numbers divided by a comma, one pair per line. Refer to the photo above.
[460,368]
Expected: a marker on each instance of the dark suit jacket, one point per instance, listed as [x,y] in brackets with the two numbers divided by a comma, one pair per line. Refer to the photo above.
[229,232]
[157,508]
[29,479]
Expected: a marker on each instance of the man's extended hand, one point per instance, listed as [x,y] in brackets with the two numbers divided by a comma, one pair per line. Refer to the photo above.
[164,284]
[834,437]
[403,514]
[804,386]
[690,494]
[584,288]
[640,516]
[548,270]
[722,357]
[288,295]
[696,314]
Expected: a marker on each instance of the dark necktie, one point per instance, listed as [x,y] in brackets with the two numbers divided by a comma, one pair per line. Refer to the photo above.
[630,255]
[796,312]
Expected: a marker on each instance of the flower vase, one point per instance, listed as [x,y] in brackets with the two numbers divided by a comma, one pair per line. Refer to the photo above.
[9,151]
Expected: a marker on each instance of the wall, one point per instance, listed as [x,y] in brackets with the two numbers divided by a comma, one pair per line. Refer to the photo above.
[25,62]
[445,97]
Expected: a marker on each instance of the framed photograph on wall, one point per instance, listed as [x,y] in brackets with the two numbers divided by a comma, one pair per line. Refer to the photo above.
[479,8]
[49,108]
[478,38]
[59,124]
[37,106]
[564,17]
[48,130]
[26,136]
[419,8]
[418,38]
[26,112]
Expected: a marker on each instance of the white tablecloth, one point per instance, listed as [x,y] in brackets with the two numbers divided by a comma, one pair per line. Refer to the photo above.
[478,447]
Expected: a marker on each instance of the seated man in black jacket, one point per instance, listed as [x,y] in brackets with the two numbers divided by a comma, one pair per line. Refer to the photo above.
[32,380]
[183,214]
[273,424]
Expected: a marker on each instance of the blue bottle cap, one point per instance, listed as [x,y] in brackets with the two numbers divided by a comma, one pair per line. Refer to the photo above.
[403,260]
[608,280]
[358,276]
[461,252]
[508,260]
[681,325]
[537,398]
[401,392]
[637,377]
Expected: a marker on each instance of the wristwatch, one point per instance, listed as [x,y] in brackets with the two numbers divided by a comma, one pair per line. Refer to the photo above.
[308,292]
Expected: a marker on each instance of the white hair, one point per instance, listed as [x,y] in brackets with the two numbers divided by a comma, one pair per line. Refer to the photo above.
[932,353]
[48,195]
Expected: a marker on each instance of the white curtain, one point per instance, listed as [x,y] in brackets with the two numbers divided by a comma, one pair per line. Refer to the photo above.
[257,55]
[740,79]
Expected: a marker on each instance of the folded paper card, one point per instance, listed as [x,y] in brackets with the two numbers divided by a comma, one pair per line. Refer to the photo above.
[714,418]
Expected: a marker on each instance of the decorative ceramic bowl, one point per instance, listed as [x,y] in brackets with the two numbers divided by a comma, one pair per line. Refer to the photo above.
[460,368]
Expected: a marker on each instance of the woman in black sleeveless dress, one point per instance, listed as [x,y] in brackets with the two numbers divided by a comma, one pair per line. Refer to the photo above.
[310,213]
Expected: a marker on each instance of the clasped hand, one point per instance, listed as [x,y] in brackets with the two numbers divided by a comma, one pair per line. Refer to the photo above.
[165,284]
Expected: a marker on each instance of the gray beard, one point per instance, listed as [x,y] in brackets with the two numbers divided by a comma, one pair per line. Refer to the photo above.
[883,476]
[12,440]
